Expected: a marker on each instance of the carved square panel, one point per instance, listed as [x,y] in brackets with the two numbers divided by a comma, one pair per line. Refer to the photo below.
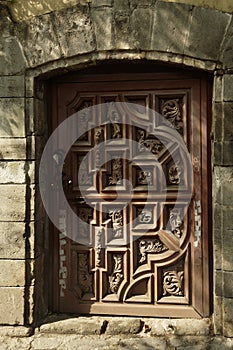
[114,220]
[173,282]
[144,216]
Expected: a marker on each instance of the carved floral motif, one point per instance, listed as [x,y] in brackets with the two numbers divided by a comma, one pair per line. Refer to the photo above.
[84,277]
[176,222]
[99,237]
[117,275]
[117,222]
[116,177]
[98,137]
[144,216]
[85,214]
[174,173]
[115,119]
[84,116]
[150,245]
[170,109]
[144,177]
[150,144]
[83,175]
[173,283]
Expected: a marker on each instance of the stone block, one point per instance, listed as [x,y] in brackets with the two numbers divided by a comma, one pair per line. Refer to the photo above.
[218,316]
[122,31]
[170,27]
[217,246]
[80,325]
[124,326]
[227,153]
[228,245]
[161,327]
[13,60]
[12,241]
[12,86]
[206,33]
[228,284]
[15,332]
[143,3]
[12,121]
[40,43]
[188,342]
[227,48]
[12,172]
[218,121]
[217,157]
[12,273]
[221,343]
[12,309]
[11,149]
[142,20]
[101,3]
[227,187]
[218,89]
[13,202]
[74,30]
[228,87]
[102,22]
[228,121]
[228,317]
[218,283]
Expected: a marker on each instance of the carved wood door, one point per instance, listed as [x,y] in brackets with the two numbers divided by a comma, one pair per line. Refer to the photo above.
[147,258]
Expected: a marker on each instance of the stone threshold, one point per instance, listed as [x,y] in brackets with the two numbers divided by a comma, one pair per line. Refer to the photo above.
[112,325]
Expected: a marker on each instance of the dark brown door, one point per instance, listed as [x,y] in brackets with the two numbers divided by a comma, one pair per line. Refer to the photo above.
[147,258]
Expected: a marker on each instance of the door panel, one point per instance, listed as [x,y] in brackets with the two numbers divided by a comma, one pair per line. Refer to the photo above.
[129,263]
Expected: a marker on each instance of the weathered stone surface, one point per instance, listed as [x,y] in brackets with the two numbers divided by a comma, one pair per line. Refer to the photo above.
[12,172]
[227,153]
[12,241]
[12,149]
[13,202]
[227,240]
[227,48]
[189,342]
[221,343]
[12,122]
[74,30]
[171,26]
[218,285]
[206,33]
[161,327]
[121,31]
[12,273]
[142,20]
[12,309]
[40,42]
[12,86]
[101,3]
[228,317]
[218,316]
[228,284]
[124,326]
[8,343]
[13,60]
[102,23]
[228,121]
[227,186]
[81,326]
[228,87]
[218,89]
[15,331]
[218,121]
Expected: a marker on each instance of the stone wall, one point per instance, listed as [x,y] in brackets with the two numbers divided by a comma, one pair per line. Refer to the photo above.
[70,39]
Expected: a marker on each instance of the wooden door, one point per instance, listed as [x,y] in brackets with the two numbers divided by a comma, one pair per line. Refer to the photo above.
[130,263]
